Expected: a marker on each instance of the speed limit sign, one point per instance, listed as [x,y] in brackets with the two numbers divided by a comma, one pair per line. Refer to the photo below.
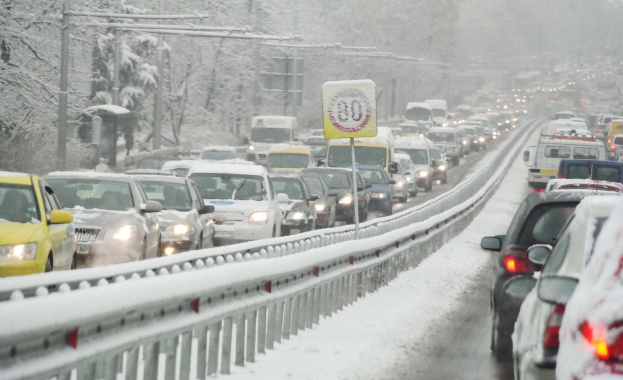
[349,109]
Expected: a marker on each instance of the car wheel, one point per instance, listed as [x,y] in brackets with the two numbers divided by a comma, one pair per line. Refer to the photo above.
[74,263]
[48,263]
[501,342]
[429,186]
[455,161]
[444,180]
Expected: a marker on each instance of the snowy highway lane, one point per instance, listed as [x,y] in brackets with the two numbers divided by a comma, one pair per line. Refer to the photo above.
[432,322]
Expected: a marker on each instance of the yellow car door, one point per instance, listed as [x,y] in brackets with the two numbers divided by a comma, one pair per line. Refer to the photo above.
[61,236]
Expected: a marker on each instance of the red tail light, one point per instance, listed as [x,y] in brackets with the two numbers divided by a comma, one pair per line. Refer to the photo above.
[596,337]
[518,265]
[552,329]
[560,175]
[535,190]
[612,148]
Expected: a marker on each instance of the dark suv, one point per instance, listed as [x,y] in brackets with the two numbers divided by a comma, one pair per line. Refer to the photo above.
[538,220]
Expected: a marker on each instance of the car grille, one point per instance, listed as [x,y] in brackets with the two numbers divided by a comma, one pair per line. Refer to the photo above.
[87,234]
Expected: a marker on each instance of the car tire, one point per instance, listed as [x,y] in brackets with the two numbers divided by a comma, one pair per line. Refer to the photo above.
[455,161]
[49,263]
[429,186]
[444,180]
[501,342]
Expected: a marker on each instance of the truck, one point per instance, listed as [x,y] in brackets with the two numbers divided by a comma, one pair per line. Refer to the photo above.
[418,118]
[268,130]
[440,111]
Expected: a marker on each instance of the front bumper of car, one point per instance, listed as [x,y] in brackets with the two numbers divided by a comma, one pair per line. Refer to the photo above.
[378,203]
[231,232]
[108,251]
[16,267]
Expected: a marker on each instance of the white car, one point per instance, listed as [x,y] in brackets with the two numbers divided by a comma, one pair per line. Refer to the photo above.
[535,338]
[401,187]
[218,153]
[574,184]
[411,174]
[246,206]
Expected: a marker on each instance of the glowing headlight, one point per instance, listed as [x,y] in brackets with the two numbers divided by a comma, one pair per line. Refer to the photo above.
[259,217]
[320,206]
[400,184]
[19,251]
[251,147]
[298,215]
[481,139]
[378,195]
[408,178]
[464,142]
[423,174]
[121,233]
[346,199]
[508,121]
[179,229]
[441,167]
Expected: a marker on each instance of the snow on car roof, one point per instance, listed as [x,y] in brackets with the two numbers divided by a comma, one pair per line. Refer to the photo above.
[159,178]
[219,148]
[411,142]
[208,167]
[418,105]
[13,174]
[90,175]
[178,164]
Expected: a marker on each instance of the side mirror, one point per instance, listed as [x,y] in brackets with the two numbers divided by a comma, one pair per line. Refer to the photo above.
[526,156]
[151,206]
[360,188]
[206,209]
[434,163]
[314,198]
[333,194]
[556,290]
[282,198]
[491,243]
[519,286]
[60,217]
[407,173]
[393,167]
[392,182]
[368,185]
[320,162]
[538,254]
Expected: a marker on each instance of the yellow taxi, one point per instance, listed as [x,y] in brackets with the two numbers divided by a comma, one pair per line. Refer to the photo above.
[289,158]
[35,234]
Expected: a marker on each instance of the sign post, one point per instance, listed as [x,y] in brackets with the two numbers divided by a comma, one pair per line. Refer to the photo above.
[349,111]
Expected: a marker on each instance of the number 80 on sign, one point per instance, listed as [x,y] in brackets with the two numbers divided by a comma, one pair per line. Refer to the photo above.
[349,109]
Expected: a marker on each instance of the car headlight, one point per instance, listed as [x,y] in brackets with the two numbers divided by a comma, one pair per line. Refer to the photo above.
[481,139]
[179,229]
[408,178]
[423,174]
[297,215]
[320,206]
[400,184]
[259,217]
[251,147]
[441,167]
[121,233]
[464,142]
[346,199]
[377,195]
[26,251]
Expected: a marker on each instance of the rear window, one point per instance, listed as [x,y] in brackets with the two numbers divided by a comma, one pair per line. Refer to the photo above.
[618,140]
[604,173]
[545,223]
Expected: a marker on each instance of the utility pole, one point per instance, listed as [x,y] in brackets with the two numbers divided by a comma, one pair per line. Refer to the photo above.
[61,150]
[295,69]
[115,83]
[160,83]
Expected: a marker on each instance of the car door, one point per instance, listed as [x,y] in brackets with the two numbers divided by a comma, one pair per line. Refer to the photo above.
[207,224]
[59,235]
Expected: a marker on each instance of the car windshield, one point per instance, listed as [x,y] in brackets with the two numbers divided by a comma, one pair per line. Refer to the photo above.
[438,112]
[340,156]
[172,196]
[270,135]
[441,136]
[413,129]
[86,193]
[288,160]
[435,154]
[314,185]
[418,114]
[218,155]
[17,204]
[292,187]
[373,176]
[230,186]
[335,179]
[418,156]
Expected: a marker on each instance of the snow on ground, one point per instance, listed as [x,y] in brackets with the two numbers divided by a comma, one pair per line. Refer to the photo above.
[365,339]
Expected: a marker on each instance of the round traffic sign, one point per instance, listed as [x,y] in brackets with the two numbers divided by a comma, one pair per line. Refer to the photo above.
[350,110]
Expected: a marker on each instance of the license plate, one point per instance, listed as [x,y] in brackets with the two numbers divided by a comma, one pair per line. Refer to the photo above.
[295,231]
[83,249]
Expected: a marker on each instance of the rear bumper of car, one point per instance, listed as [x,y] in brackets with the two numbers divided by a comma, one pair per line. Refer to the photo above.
[536,365]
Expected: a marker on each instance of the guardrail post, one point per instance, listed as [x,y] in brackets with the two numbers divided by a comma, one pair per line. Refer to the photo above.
[340,293]
[335,296]
[226,352]
[187,342]
[316,304]
[287,316]
[271,322]
[323,300]
[202,348]
[64,376]
[309,310]
[110,367]
[215,335]
[251,335]
[131,371]
[86,371]
[171,360]
[279,316]
[240,335]
[302,310]
[295,315]
[261,330]
[151,354]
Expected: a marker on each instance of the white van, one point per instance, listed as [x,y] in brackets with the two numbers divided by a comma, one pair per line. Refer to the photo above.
[440,111]
[267,131]
[545,158]
[417,114]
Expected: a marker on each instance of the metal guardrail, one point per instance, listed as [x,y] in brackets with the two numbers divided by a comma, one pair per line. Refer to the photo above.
[121,329]
[43,284]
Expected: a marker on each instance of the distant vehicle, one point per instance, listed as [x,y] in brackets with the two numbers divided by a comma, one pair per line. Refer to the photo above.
[184,221]
[37,235]
[590,332]
[413,129]
[401,187]
[269,130]
[397,132]
[218,153]
[536,339]
[154,163]
[247,207]
[473,136]
[289,158]
[339,181]
[564,115]
[411,173]
[150,172]
[326,204]
[538,220]
[299,214]
[449,138]
[418,150]
[615,127]
[179,167]
[440,111]
[440,164]
[419,114]
[318,146]
[599,170]
[317,133]
[381,188]
[115,221]
[465,141]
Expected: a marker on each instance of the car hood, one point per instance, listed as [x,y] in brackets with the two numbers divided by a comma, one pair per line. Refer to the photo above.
[170,217]
[104,218]
[422,168]
[17,233]
[379,188]
[293,205]
[228,206]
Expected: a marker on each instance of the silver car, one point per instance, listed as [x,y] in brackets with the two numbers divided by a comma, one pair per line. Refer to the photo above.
[114,220]
[185,223]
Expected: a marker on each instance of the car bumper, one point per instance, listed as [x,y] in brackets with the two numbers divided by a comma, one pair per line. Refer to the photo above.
[295,226]
[440,175]
[177,246]
[534,367]
[20,267]
[106,252]
[241,232]
[380,204]
[422,181]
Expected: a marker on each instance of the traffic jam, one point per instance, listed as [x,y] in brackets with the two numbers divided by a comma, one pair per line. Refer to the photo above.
[360,154]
